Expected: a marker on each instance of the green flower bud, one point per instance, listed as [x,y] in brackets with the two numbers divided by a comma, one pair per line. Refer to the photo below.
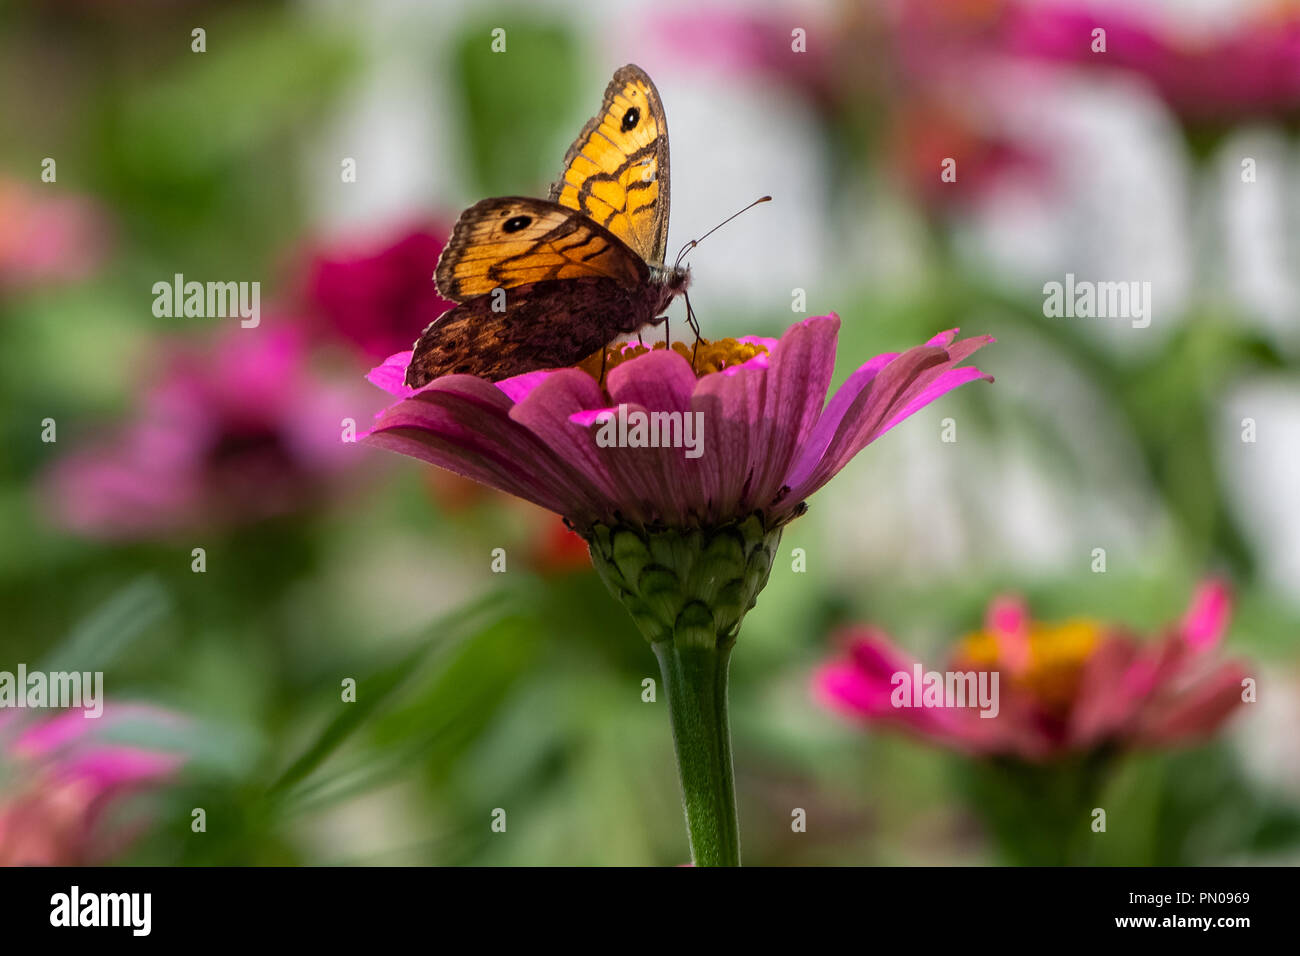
[692,586]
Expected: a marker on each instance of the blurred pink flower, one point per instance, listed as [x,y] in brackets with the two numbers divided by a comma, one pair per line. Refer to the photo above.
[65,780]
[47,235]
[745,42]
[1248,70]
[555,548]
[1064,688]
[923,77]
[245,432]
[926,132]
[857,52]
[377,297]
[769,437]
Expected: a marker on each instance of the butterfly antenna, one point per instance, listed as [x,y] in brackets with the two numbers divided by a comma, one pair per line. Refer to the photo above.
[695,242]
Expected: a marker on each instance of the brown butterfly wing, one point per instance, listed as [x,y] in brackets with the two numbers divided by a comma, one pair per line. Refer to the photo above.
[616,172]
[549,324]
[513,241]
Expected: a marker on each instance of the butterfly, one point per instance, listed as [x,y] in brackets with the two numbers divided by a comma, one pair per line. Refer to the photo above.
[544,283]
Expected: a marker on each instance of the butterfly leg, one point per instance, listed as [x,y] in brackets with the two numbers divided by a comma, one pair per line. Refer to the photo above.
[695,327]
[604,357]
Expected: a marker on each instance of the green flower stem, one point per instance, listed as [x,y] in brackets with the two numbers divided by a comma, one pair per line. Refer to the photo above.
[688,590]
[695,680]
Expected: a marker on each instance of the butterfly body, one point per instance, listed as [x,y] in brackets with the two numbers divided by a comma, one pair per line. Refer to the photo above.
[543,283]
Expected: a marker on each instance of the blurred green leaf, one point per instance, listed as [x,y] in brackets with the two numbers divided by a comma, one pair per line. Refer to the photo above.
[515,105]
[200,158]
[213,108]
[375,690]
[101,637]
[441,717]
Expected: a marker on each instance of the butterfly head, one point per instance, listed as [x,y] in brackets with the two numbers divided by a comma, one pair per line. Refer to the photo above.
[674,279]
[671,281]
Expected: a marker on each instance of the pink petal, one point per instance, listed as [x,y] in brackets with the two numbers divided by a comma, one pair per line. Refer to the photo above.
[1008,620]
[868,410]
[1108,695]
[1206,620]
[732,408]
[518,387]
[941,386]
[547,412]
[796,383]
[463,424]
[660,381]
[814,447]
[758,415]
[843,688]
[885,395]
[391,375]
[1195,710]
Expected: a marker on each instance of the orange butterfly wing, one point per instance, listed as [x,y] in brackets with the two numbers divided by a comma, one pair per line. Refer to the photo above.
[513,241]
[616,172]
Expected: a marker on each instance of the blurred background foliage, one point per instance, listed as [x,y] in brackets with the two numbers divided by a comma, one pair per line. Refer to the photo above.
[523,690]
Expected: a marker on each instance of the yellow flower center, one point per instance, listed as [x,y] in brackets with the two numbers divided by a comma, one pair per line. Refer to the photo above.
[1054,661]
[708,356]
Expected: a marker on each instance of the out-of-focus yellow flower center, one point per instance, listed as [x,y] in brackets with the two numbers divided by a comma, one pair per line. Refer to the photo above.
[1279,12]
[709,356]
[1055,658]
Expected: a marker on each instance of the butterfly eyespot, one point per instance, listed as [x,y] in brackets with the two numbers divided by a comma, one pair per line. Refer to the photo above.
[631,118]
[516,223]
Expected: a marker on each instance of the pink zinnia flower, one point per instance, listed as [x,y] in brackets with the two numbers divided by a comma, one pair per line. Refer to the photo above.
[47,235]
[1064,688]
[920,76]
[683,532]
[1248,70]
[244,433]
[65,780]
[736,41]
[927,131]
[770,437]
[377,297]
